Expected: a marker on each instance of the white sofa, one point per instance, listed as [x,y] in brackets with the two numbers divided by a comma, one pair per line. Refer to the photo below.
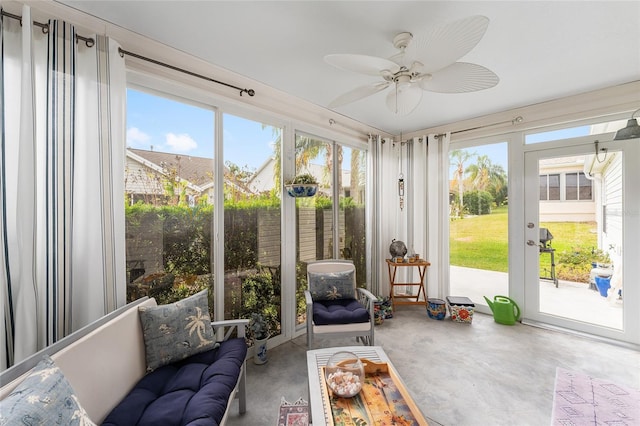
[110,352]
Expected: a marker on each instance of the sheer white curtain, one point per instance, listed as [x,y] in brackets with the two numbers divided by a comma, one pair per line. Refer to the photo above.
[63,262]
[438,214]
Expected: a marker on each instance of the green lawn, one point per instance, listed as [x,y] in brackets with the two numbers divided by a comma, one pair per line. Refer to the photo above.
[481,241]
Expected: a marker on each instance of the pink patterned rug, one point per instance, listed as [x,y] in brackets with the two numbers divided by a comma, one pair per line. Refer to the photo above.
[579,399]
[293,413]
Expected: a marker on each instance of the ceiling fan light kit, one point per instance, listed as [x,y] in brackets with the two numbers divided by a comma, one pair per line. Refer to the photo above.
[428,63]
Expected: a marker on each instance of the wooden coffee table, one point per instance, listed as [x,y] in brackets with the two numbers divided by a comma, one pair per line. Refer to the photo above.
[318,396]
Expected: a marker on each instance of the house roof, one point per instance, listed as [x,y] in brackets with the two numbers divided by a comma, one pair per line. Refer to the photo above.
[197,170]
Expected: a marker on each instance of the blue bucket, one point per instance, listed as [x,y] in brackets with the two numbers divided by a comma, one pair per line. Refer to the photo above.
[603,284]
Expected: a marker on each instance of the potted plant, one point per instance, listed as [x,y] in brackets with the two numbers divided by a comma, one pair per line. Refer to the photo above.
[260,333]
[304,185]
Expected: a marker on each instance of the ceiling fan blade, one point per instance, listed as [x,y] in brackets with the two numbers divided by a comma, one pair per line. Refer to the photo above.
[358,93]
[460,77]
[363,64]
[404,98]
[444,45]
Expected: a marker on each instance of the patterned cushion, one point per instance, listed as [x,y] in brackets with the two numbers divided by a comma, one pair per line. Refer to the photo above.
[332,285]
[45,397]
[176,331]
[339,312]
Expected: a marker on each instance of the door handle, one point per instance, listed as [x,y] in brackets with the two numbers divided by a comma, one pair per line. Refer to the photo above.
[531,243]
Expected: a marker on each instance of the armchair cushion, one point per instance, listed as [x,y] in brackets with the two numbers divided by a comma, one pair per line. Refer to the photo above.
[332,285]
[341,311]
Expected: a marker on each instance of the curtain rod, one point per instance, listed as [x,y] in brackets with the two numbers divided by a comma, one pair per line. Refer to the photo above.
[90,42]
[123,52]
[516,120]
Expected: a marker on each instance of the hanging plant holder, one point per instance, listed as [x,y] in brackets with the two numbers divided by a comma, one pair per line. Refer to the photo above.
[298,190]
[304,185]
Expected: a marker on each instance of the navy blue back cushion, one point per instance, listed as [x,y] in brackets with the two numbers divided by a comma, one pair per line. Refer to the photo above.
[341,311]
[194,391]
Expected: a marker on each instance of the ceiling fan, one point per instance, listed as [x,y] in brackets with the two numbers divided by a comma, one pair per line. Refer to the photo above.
[424,63]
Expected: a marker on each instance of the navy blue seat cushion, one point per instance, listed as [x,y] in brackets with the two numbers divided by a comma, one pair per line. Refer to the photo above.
[194,391]
[341,311]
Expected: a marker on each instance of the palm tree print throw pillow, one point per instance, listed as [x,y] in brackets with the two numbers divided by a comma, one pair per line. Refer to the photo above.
[176,331]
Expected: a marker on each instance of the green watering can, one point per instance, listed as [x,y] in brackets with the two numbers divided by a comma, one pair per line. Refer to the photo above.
[505,310]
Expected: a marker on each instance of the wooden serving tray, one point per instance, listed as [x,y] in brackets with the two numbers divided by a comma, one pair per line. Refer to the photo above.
[383,400]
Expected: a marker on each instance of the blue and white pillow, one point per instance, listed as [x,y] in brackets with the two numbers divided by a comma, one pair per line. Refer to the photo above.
[332,285]
[45,397]
[176,331]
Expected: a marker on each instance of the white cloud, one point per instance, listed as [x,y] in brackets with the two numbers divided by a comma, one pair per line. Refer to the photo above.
[181,143]
[136,138]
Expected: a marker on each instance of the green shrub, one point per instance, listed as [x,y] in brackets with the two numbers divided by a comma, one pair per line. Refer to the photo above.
[477,202]
[575,264]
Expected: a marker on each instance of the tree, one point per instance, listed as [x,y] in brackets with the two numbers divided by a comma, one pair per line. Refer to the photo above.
[489,177]
[458,157]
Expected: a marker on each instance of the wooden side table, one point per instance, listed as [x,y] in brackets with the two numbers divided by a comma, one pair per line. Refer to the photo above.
[407,299]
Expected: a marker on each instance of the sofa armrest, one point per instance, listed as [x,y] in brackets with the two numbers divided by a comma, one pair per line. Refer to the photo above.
[226,327]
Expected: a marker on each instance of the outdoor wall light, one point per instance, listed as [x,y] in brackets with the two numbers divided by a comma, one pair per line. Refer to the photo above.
[631,131]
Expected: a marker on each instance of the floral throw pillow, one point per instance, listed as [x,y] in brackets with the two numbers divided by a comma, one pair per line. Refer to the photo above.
[332,285]
[176,331]
[45,397]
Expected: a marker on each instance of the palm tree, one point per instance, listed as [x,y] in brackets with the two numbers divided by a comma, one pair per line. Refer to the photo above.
[196,324]
[487,176]
[458,157]
[306,150]
[498,184]
[480,173]
[357,174]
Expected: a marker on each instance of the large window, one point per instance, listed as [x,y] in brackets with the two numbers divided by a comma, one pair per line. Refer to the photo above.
[174,181]
[252,217]
[328,228]
[169,203]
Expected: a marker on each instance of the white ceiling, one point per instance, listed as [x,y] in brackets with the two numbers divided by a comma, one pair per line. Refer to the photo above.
[540,50]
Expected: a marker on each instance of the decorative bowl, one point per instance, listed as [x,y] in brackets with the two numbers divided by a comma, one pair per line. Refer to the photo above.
[344,374]
[301,189]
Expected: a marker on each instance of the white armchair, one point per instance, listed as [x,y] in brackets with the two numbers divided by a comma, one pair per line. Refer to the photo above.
[336,307]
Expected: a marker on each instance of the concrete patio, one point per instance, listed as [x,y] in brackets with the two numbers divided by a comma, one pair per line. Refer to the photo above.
[570,300]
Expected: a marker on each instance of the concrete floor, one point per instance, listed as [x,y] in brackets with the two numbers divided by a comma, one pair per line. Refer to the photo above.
[482,373]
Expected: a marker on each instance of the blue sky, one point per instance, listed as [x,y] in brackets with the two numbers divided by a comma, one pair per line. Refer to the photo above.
[161,124]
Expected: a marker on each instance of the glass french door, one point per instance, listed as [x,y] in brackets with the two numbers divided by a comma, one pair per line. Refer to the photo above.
[580,218]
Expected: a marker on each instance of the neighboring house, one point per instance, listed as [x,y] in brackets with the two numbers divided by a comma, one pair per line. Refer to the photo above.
[566,191]
[151,176]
